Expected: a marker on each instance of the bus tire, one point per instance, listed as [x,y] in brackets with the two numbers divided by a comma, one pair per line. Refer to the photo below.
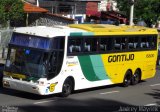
[127,79]
[67,88]
[136,77]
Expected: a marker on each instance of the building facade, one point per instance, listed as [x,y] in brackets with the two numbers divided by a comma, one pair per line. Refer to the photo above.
[75,9]
[108,5]
[79,10]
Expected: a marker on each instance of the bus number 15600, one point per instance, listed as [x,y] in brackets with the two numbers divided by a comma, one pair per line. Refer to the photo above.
[149,55]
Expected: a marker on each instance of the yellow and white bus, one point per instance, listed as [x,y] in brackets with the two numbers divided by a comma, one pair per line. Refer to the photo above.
[60,59]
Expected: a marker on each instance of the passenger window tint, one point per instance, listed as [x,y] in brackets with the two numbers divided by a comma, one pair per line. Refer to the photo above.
[117,44]
[90,44]
[152,41]
[103,44]
[133,43]
[144,42]
[86,45]
[123,42]
[136,43]
[120,43]
[75,45]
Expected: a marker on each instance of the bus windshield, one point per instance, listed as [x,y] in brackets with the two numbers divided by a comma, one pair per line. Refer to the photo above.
[26,61]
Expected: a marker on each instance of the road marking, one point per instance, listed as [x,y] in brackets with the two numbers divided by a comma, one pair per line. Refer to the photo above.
[151,104]
[109,92]
[43,102]
[155,84]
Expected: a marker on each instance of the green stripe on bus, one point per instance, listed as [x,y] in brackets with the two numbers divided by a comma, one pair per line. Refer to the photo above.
[87,68]
[98,67]
[88,34]
[81,34]
[76,34]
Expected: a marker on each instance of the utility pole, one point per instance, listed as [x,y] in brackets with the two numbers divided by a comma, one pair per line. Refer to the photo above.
[75,9]
[131,13]
[72,12]
[37,3]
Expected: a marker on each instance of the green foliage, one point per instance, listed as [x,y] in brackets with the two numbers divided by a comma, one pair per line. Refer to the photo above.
[11,10]
[123,5]
[148,10]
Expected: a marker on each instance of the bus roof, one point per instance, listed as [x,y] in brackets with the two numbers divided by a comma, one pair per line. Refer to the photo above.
[103,29]
[46,31]
[85,30]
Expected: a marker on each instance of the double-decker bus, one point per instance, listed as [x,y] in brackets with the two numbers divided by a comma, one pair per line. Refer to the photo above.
[60,59]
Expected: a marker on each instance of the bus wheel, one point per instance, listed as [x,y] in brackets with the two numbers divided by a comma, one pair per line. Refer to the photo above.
[136,77]
[67,88]
[127,79]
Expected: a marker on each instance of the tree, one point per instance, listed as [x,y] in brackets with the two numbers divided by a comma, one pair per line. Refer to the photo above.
[148,10]
[10,10]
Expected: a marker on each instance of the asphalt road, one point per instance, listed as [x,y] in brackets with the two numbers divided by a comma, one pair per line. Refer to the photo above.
[144,96]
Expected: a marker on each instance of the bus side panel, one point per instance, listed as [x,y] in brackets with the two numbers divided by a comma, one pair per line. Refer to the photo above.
[149,66]
[93,68]
[117,64]
[146,60]
[148,70]
[98,67]
[85,74]
[99,70]
[115,70]
[87,68]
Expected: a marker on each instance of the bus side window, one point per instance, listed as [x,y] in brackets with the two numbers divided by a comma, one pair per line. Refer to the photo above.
[144,42]
[120,43]
[117,44]
[123,43]
[87,47]
[103,44]
[90,44]
[110,46]
[131,44]
[152,41]
[75,45]
[136,42]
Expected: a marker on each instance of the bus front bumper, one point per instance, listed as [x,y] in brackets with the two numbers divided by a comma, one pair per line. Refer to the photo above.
[24,86]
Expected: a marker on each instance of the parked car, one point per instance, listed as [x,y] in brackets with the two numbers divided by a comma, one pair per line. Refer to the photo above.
[1,73]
